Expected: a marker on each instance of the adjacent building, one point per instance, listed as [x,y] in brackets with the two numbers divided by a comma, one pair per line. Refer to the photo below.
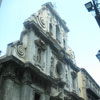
[89,89]
[40,66]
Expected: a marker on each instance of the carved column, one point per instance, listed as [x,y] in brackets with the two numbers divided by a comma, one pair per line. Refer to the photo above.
[8,83]
[8,89]
[32,94]
[26,91]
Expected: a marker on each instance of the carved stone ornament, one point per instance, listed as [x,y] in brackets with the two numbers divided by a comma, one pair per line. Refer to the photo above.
[20,50]
[58,94]
[74,74]
[41,22]
[39,65]
[40,44]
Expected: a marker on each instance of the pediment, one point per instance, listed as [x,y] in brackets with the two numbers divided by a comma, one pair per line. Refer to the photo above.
[47,15]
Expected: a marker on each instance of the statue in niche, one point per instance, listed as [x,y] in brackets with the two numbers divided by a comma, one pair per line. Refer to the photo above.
[40,48]
[60,70]
[52,67]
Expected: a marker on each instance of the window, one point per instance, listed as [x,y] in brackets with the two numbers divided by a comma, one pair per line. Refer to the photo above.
[39,55]
[64,43]
[50,29]
[57,33]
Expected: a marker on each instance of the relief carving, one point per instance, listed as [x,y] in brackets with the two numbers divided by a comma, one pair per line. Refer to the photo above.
[40,44]
[61,93]
[57,93]
[39,56]
[41,21]
[20,50]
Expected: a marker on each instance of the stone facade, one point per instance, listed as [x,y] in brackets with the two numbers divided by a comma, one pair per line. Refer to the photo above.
[40,66]
[89,89]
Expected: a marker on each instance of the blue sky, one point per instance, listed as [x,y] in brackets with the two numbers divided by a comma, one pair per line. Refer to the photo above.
[83,38]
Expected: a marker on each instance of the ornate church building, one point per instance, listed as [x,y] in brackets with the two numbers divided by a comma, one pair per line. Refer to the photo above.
[40,65]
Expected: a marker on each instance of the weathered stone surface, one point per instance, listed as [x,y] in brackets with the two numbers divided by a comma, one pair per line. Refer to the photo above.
[39,66]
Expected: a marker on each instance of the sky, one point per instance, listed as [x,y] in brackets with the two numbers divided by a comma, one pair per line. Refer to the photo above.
[83,38]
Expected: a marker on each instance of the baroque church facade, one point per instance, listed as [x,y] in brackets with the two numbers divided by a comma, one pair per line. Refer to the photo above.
[40,66]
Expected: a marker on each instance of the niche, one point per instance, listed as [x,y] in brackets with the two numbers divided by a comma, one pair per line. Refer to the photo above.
[59,69]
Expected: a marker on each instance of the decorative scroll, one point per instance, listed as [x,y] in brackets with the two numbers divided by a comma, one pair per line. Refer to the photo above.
[20,51]
[41,22]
